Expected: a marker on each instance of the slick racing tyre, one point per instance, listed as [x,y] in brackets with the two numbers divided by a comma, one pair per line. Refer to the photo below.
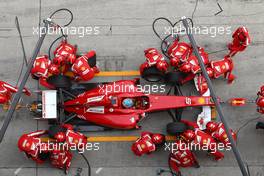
[59,81]
[174,78]
[176,128]
[77,121]
[83,87]
[152,74]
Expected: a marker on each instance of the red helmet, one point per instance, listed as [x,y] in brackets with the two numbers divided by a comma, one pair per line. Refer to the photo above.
[158,138]
[54,69]
[162,65]
[27,144]
[261,92]
[71,58]
[59,60]
[186,67]
[84,141]
[202,85]
[211,126]
[204,56]
[151,50]
[210,71]
[40,66]
[188,135]
[260,102]
[60,137]
[68,126]
[174,61]
[65,52]
[203,88]
[173,46]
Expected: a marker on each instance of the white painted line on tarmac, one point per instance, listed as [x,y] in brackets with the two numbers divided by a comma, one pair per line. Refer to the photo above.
[98,170]
[17,170]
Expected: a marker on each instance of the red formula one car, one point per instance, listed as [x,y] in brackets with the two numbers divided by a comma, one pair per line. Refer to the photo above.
[118,105]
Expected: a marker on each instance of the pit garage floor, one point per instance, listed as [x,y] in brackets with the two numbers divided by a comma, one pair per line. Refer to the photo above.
[124,32]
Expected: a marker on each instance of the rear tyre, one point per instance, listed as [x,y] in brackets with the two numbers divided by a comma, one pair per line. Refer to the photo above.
[174,78]
[77,121]
[90,86]
[81,88]
[152,74]
[59,81]
[53,130]
[176,128]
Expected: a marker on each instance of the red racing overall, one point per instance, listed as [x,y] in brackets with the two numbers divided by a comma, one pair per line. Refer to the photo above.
[260,100]
[6,91]
[240,41]
[182,157]
[147,143]
[59,155]
[154,58]
[217,131]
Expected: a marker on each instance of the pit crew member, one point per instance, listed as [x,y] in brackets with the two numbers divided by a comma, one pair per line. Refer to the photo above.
[147,143]
[6,91]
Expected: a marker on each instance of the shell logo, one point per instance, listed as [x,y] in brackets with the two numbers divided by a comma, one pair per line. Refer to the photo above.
[201,100]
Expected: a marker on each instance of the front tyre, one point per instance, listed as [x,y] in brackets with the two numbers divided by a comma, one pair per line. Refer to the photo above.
[152,74]
[175,128]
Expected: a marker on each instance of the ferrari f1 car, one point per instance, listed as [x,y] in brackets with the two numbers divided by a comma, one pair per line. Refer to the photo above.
[116,105]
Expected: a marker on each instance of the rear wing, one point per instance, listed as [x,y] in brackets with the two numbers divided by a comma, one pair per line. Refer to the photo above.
[49,104]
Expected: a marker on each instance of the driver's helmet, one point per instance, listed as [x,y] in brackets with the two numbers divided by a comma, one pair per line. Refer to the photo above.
[128,103]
